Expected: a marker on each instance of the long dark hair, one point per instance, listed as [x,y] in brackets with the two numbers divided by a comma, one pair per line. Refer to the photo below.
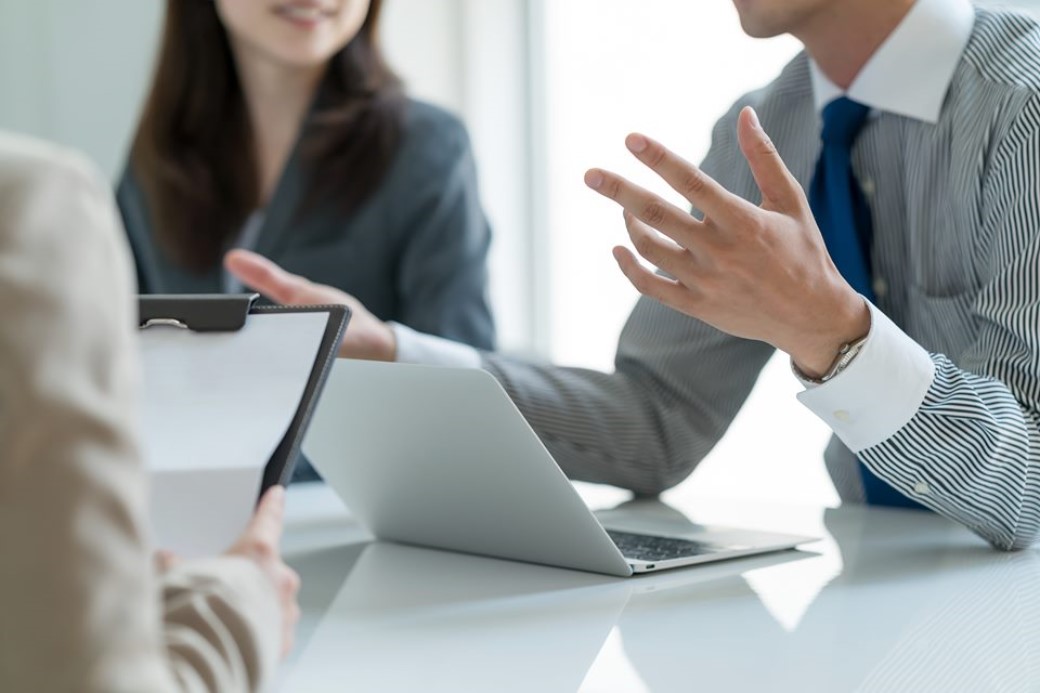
[193,154]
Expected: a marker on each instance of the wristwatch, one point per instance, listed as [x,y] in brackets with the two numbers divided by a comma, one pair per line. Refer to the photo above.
[846,354]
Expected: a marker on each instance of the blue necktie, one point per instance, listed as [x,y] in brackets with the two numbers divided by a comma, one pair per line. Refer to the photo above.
[843,216]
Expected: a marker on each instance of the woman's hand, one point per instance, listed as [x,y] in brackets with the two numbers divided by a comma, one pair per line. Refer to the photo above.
[259,543]
[366,337]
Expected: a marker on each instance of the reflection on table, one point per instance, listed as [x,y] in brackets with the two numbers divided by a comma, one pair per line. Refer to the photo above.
[888,600]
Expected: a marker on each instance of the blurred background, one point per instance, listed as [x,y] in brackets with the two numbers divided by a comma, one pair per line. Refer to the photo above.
[547,89]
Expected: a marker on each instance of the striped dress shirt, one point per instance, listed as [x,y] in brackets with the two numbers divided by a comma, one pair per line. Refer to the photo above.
[944,402]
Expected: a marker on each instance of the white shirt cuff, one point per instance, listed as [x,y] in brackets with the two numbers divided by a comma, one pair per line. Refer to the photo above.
[879,392]
[426,349]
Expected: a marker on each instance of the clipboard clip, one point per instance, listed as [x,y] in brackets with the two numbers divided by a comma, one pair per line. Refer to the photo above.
[196,312]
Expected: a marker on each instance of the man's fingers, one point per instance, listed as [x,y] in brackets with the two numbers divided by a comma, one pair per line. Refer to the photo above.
[260,274]
[780,191]
[667,291]
[266,525]
[675,223]
[700,189]
[660,252]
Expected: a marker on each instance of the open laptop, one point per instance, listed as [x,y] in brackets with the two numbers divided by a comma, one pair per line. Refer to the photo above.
[441,457]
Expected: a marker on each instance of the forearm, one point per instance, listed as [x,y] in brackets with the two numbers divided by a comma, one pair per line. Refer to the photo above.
[220,621]
[677,386]
[80,603]
[972,453]
[599,427]
[960,443]
[606,428]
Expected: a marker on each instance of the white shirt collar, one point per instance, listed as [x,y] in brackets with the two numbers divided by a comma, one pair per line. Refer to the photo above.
[911,71]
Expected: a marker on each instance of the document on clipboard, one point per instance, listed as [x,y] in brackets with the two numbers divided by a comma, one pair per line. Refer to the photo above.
[229,388]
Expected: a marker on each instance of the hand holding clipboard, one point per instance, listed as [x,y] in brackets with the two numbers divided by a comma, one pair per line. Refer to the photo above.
[229,391]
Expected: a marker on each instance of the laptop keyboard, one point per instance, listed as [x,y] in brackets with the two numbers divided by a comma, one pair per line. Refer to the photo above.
[645,547]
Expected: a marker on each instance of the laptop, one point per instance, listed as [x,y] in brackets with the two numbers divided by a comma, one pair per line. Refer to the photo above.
[442,458]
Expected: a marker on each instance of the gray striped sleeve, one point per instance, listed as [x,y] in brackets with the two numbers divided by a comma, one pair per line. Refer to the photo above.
[972,451]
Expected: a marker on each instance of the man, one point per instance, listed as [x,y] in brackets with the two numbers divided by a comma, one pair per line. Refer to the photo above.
[913,320]
[83,608]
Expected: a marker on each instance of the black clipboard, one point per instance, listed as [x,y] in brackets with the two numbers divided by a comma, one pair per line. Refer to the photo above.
[229,313]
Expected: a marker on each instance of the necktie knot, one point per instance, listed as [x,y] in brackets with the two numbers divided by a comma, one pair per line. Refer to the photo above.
[843,119]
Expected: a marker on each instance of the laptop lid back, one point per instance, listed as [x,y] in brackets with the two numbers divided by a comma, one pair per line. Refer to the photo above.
[441,457]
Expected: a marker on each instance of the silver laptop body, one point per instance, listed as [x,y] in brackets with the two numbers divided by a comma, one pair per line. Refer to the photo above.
[441,457]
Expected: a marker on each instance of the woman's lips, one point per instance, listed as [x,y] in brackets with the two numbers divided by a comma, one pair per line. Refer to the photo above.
[303,14]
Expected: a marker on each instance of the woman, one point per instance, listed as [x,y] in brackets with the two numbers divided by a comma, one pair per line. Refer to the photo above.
[83,607]
[277,126]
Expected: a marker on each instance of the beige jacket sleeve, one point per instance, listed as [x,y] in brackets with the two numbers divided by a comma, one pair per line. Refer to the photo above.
[80,606]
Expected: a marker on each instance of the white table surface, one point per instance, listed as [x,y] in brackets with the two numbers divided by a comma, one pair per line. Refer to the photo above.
[888,600]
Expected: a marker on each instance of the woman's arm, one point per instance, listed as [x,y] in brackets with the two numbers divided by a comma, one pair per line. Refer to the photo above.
[81,605]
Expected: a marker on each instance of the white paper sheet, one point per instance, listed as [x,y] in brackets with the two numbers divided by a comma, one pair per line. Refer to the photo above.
[216,406]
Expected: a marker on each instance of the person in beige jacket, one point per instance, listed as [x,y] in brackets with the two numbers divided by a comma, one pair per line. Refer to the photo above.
[83,605]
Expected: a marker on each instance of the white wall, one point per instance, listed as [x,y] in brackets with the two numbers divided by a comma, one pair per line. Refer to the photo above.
[423,40]
[73,72]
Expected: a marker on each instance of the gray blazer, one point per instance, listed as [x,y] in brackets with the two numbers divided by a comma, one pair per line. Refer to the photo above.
[415,252]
